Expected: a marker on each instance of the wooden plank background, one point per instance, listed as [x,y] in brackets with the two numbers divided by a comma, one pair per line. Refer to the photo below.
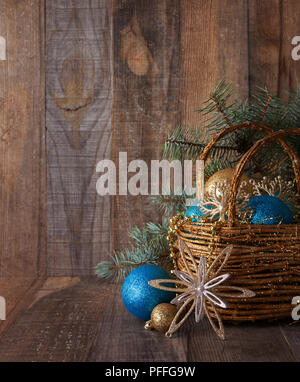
[142,67]
[22,141]
[214,45]
[119,74]
[272,25]
[89,323]
[146,98]
[79,113]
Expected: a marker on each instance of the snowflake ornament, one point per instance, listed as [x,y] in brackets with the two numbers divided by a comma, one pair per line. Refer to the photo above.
[279,188]
[215,201]
[198,292]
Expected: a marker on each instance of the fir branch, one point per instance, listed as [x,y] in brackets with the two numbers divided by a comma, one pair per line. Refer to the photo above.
[214,166]
[265,108]
[189,143]
[150,245]
[221,111]
[291,109]
[140,236]
[123,262]
[158,236]
[217,103]
[200,145]
[170,205]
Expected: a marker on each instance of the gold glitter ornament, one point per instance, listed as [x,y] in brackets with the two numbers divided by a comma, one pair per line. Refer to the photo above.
[226,175]
[161,317]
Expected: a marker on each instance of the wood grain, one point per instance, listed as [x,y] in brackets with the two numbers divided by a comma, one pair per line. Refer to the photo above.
[15,291]
[291,334]
[159,62]
[79,104]
[146,95]
[214,45]
[289,70]
[89,323]
[243,343]
[22,143]
[52,285]
[192,343]
[18,294]
[60,327]
[122,337]
[272,25]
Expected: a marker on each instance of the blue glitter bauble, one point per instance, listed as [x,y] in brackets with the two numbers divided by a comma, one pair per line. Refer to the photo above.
[139,297]
[269,210]
[194,211]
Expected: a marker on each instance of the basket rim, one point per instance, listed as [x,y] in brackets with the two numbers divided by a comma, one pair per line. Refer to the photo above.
[238,224]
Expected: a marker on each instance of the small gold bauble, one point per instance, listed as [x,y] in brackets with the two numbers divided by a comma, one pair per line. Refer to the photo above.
[226,174]
[162,316]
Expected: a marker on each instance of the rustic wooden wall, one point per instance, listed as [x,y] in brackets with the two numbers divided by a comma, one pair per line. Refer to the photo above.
[248,42]
[147,79]
[214,44]
[79,103]
[120,73]
[22,140]
[272,25]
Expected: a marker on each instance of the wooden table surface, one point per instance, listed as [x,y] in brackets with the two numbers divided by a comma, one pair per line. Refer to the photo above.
[88,322]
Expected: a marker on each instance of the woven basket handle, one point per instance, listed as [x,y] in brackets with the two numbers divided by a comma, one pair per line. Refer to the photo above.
[250,153]
[230,129]
[227,130]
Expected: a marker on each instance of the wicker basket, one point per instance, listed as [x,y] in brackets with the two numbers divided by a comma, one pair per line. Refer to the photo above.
[265,258]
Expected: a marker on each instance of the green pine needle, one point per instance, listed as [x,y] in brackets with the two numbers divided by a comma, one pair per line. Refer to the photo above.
[218,112]
[150,244]
[171,205]
[221,110]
